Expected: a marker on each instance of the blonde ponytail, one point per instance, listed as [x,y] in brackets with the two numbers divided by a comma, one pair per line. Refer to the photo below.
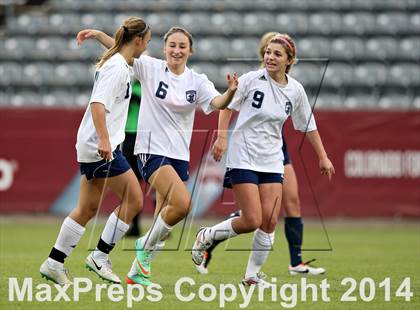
[131,27]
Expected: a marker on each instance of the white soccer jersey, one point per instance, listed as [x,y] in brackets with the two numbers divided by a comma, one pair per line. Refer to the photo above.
[112,89]
[168,106]
[264,105]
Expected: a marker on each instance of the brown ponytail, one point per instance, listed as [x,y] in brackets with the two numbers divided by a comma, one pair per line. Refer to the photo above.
[131,27]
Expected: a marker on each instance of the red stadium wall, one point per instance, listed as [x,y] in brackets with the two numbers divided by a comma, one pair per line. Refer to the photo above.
[39,147]
[376,156]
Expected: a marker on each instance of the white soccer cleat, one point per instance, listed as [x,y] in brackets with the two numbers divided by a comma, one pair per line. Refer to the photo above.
[306,269]
[202,268]
[57,275]
[200,247]
[257,280]
[103,268]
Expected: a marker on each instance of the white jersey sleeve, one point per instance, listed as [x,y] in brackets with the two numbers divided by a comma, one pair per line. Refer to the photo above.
[302,116]
[108,84]
[206,93]
[241,92]
[141,64]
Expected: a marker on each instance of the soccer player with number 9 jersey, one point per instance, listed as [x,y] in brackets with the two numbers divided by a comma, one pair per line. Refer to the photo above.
[265,99]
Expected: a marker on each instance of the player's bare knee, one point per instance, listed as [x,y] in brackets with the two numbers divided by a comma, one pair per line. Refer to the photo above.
[82,215]
[182,204]
[184,210]
[253,223]
[292,207]
[269,226]
[174,214]
[136,204]
[88,209]
[292,203]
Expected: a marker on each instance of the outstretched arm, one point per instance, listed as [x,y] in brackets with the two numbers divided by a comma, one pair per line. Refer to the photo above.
[325,165]
[222,101]
[220,146]
[98,35]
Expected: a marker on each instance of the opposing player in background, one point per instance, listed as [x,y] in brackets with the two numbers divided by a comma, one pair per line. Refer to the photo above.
[265,99]
[170,92]
[101,163]
[127,146]
[290,203]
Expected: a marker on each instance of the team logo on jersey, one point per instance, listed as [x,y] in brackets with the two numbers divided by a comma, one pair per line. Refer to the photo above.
[288,108]
[191,96]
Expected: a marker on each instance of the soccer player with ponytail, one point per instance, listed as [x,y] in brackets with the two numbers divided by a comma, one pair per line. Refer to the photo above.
[102,165]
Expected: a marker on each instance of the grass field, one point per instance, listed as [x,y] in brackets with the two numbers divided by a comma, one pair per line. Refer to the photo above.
[376,250]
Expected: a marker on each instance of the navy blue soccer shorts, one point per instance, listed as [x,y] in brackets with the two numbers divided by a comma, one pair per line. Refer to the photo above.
[149,163]
[239,176]
[104,169]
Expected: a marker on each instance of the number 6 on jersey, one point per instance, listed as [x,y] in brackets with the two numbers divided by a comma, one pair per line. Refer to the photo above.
[162,90]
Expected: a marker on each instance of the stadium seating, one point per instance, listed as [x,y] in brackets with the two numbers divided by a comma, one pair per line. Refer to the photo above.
[347,48]
[338,75]
[308,73]
[65,24]
[10,74]
[392,23]
[26,98]
[211,49]
[405,75]
[59,97]
[314,47]
[212,71]
[358,23]
[395,101]
[409,48]
[383,48]
[291,22]
[244,47]
[372,46]
[416,102]
[15,48]
[362,100]
[330,101]
[325,23]
[257,23]
[370,75]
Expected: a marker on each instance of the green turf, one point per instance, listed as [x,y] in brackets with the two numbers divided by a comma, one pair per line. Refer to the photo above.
[376,251]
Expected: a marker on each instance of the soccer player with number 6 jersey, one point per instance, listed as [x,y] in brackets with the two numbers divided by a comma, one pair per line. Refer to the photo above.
[171,93]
